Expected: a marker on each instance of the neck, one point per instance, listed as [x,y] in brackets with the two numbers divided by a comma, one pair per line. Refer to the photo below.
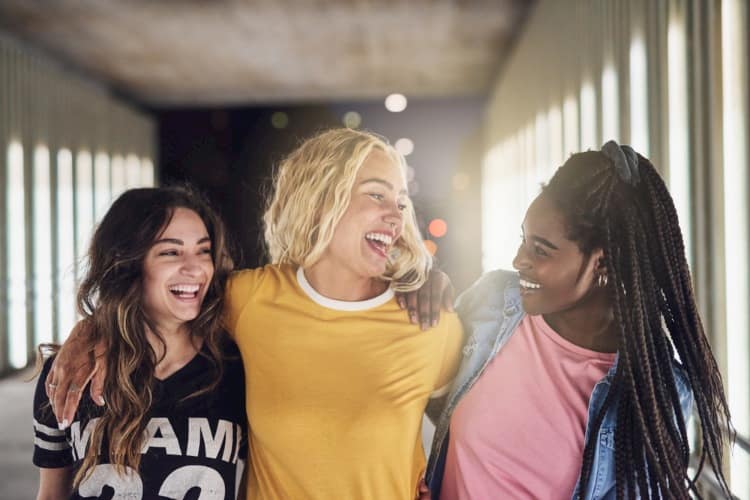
[177,349]
[589,324]
[338,284]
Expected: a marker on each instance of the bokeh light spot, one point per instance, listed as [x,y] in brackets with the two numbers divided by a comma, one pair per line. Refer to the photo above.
[404,146]
[437,228]
[395,103]
[410,173]
[431,246]
[352,119]
[279,120]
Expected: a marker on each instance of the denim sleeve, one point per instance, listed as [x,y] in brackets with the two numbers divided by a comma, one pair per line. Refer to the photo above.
[476,296]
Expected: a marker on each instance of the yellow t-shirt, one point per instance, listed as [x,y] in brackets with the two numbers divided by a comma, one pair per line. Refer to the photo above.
[334,397]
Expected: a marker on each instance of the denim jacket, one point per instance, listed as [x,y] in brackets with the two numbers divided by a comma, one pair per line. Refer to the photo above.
[490,311]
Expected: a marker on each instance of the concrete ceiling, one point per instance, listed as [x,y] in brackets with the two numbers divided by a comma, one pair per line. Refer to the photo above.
[229,52]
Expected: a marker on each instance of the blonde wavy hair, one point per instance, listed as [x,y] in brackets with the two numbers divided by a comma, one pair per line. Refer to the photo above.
[312,190]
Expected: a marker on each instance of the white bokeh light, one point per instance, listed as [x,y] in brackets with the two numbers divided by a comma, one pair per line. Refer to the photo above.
[404,146]
[396,103]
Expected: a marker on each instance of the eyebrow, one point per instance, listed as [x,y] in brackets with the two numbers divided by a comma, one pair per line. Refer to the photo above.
[175,241]
[383,182]
[544,242]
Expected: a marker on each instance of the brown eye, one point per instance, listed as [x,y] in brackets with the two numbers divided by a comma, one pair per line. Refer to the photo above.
[540,251]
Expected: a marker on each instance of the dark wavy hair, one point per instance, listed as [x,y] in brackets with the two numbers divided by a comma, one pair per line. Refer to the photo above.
[111,298]
[650,290]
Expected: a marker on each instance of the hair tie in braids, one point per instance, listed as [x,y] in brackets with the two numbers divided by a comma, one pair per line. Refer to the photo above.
[625,161]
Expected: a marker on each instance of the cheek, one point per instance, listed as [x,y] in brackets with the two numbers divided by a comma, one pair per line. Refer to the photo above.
[150,285]
[209,270]
[152,282]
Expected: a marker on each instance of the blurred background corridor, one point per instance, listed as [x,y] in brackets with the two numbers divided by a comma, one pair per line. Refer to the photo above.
[485,99]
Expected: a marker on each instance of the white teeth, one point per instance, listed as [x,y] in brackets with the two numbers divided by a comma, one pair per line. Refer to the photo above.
[383,238]
[529,284]
[184,288]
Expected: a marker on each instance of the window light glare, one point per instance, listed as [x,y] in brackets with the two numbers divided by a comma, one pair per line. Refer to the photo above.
[588,117]
[43,296]
[66,308]
[16,291]
[639,96]
[610,105]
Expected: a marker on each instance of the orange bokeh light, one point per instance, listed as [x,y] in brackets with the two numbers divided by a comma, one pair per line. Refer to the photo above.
[431,246]
[438,228]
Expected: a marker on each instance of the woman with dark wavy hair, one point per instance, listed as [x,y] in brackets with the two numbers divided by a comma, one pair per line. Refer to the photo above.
[582,368]
[174,417]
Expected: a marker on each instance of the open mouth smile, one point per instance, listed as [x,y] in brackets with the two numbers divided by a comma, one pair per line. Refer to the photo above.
[185,291]
[379,242]
[528,286]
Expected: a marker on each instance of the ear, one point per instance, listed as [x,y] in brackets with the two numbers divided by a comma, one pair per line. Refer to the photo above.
[598,265]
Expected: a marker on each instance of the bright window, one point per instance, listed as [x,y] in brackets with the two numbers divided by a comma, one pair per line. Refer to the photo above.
[588,117]
[84,208]
[147,173]
[119,181]
[66,259]
[679,156]
[16,225]
[736,157]
[491,196]
[610,104]
[541,144]
[639,96]
[42,211]
[570,126]
[555,129]
[102,188]
[132,171]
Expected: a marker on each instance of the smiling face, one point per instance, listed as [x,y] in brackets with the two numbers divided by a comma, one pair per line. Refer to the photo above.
[177,271]
[555,275]
[373,221]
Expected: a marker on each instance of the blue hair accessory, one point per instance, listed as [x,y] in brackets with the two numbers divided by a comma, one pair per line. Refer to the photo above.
[625,161]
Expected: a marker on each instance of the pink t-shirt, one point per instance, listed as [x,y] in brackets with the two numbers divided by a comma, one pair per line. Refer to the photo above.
[519,431]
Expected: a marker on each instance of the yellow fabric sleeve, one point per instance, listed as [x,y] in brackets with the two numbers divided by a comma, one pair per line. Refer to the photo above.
[241,285]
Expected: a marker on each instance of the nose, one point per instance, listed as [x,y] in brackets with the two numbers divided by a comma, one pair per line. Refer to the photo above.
[394,217]
[191,265]
[521,261]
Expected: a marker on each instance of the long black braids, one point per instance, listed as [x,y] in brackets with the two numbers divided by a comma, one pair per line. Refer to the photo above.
[635,222]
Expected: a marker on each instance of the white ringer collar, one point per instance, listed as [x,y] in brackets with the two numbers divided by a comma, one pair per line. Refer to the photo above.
[341,305]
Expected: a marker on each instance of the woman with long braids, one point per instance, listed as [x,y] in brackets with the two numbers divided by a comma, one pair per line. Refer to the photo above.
[582,369]
[174,419]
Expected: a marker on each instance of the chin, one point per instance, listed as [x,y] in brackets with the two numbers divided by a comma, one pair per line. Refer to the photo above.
[530,307]
[187,317]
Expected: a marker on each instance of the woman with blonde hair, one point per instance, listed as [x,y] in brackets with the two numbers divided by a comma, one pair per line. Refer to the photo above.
[337,380]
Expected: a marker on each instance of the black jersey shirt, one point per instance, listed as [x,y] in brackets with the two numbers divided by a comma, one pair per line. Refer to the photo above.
[195,448]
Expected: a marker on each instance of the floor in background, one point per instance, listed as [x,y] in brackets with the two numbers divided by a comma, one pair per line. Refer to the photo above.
[18,476]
